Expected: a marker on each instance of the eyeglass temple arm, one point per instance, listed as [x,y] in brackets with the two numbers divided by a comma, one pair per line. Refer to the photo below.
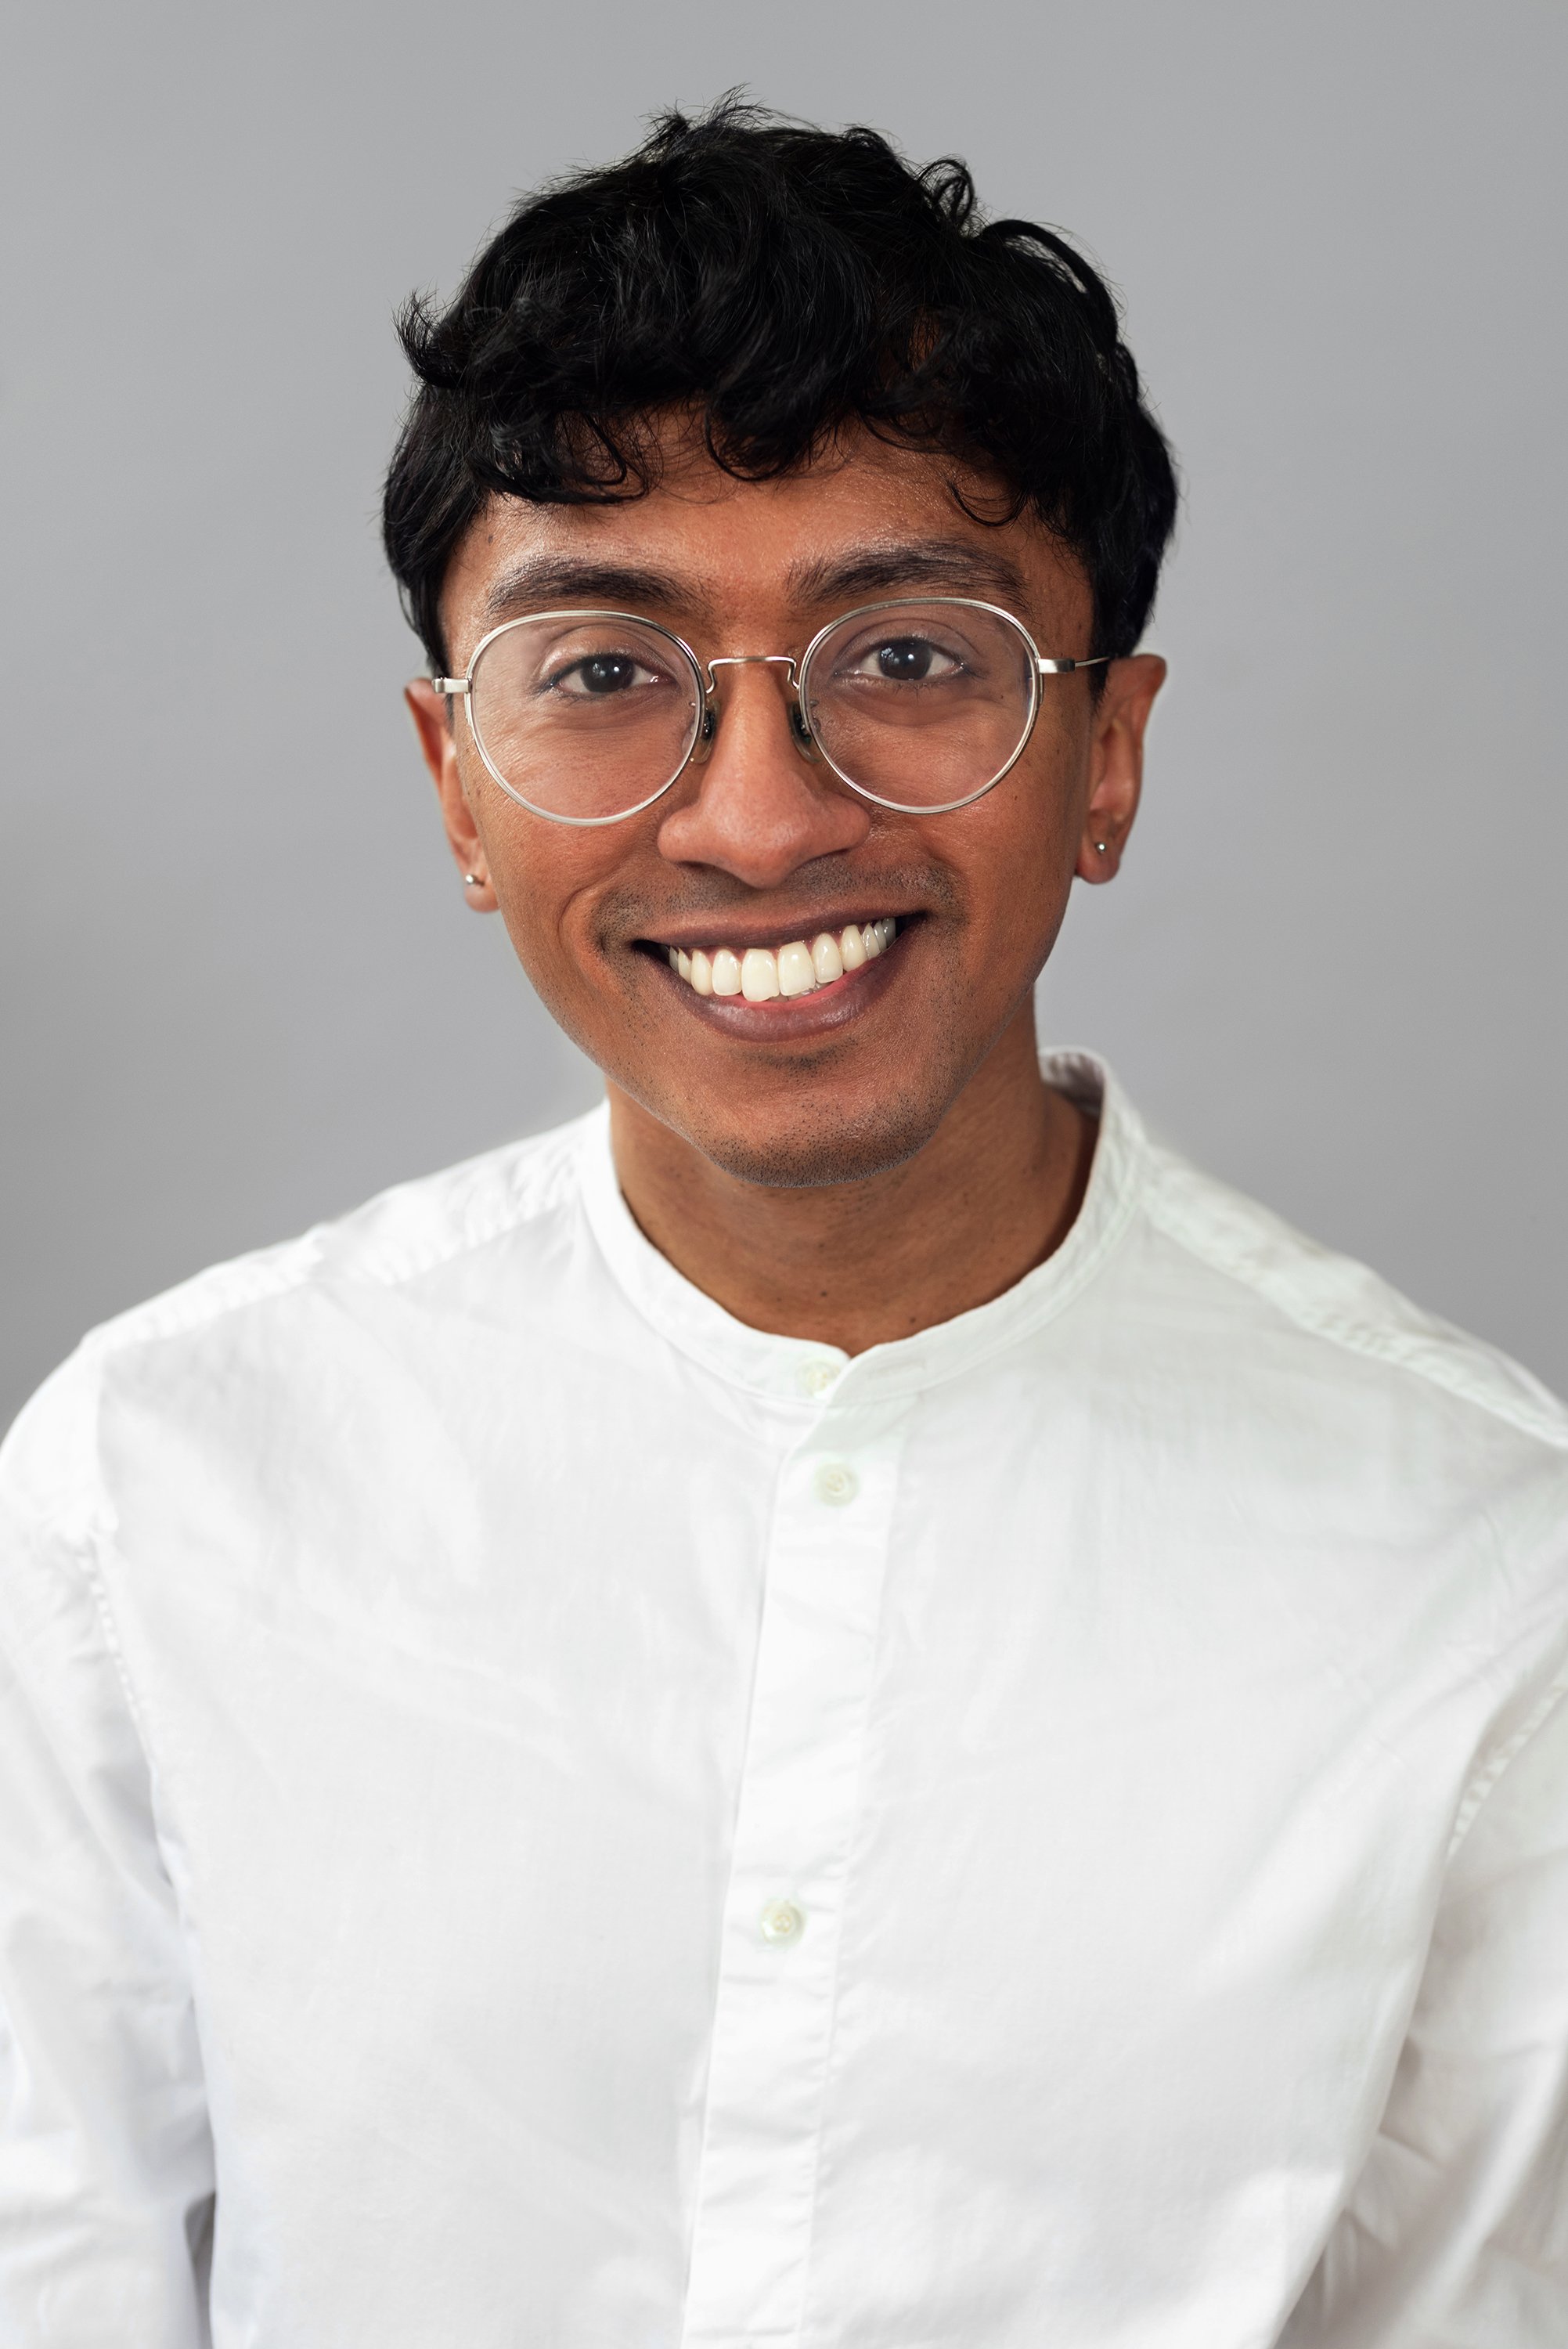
[451,684]
[1063,668]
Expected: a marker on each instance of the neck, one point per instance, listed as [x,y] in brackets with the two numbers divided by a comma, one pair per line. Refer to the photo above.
[990,1195]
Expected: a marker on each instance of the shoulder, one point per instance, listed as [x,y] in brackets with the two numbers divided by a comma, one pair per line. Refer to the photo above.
[1318,1417]
[401,1234]
[280,1302]
[1377,1417]
[1339,1309]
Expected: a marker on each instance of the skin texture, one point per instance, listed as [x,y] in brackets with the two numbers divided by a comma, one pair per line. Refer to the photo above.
[856,1165]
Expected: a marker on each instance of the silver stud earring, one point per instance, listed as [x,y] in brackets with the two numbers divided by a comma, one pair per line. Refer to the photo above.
[473,881]
[1102,846]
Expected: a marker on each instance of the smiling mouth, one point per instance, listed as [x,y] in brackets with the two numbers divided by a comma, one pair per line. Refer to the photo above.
[799,967]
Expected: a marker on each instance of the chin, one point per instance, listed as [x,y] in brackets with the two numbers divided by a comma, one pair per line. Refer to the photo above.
[814,1147]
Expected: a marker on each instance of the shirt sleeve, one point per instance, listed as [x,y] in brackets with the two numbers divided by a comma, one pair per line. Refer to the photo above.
[1456,2236]
[106,2165]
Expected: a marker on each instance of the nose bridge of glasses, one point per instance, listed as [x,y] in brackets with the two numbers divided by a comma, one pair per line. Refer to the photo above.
[799,727]
[750,660]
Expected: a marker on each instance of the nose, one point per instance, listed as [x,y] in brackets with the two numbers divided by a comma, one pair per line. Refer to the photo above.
[755,807]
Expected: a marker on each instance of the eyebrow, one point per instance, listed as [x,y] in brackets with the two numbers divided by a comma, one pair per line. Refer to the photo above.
[887,567]
[950,566]
[542,580]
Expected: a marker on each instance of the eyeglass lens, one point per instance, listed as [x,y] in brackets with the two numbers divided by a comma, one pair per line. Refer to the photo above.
[584,715]
[921,705]
[590,715]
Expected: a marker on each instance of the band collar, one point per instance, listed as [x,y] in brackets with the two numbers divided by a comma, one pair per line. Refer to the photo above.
[799,1369]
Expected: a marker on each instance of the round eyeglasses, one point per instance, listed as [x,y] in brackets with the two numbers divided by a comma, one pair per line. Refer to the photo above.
[919,704]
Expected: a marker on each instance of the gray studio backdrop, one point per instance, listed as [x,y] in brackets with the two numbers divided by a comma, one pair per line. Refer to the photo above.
[241,991]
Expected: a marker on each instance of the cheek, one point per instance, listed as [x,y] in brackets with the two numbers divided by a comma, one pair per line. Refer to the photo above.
[1019,857]
[548,879]
[551,933]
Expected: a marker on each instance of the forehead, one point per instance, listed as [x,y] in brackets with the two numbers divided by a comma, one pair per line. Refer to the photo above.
[712,552]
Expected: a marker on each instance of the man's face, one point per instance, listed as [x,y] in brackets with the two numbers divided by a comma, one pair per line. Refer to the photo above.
[759,846]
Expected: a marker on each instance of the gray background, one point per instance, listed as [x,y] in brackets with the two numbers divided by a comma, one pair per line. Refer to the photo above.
[239,990]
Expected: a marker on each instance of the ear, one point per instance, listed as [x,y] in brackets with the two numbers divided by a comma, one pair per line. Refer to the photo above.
[431,714]
[1116,762]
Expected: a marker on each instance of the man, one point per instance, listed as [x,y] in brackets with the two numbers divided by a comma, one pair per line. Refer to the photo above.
[842,1705]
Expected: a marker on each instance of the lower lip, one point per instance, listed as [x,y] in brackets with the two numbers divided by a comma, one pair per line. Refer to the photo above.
[785,1017]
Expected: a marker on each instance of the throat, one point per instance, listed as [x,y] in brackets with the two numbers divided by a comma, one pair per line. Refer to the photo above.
[855,1264]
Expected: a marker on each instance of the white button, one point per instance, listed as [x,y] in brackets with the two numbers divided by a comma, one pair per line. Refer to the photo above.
[780,1921]
[816,1377]
[836,1483]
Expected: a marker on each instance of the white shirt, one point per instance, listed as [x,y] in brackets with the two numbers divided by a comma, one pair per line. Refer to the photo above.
[593,1827]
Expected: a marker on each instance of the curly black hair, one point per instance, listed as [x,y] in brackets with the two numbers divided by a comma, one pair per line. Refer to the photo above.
[776,281]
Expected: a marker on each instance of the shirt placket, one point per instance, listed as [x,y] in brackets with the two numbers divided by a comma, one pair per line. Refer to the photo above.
[784,1910]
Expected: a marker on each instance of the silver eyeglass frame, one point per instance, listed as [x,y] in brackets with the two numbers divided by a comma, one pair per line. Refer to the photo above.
[705,723]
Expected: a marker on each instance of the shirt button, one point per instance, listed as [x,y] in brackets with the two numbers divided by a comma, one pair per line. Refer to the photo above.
[836,1483]
[816,1377]
[780,1921]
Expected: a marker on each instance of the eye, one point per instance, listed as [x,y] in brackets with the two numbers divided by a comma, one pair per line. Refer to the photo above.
[602,673]
[903,660]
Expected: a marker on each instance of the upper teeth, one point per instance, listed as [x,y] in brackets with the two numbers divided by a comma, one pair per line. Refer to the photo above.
[759,973]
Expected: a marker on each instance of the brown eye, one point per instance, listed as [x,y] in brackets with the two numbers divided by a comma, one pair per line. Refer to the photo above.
[905,661]
[606,673]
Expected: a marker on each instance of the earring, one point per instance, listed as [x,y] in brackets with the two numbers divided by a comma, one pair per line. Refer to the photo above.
[1102,846]
[473,881]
